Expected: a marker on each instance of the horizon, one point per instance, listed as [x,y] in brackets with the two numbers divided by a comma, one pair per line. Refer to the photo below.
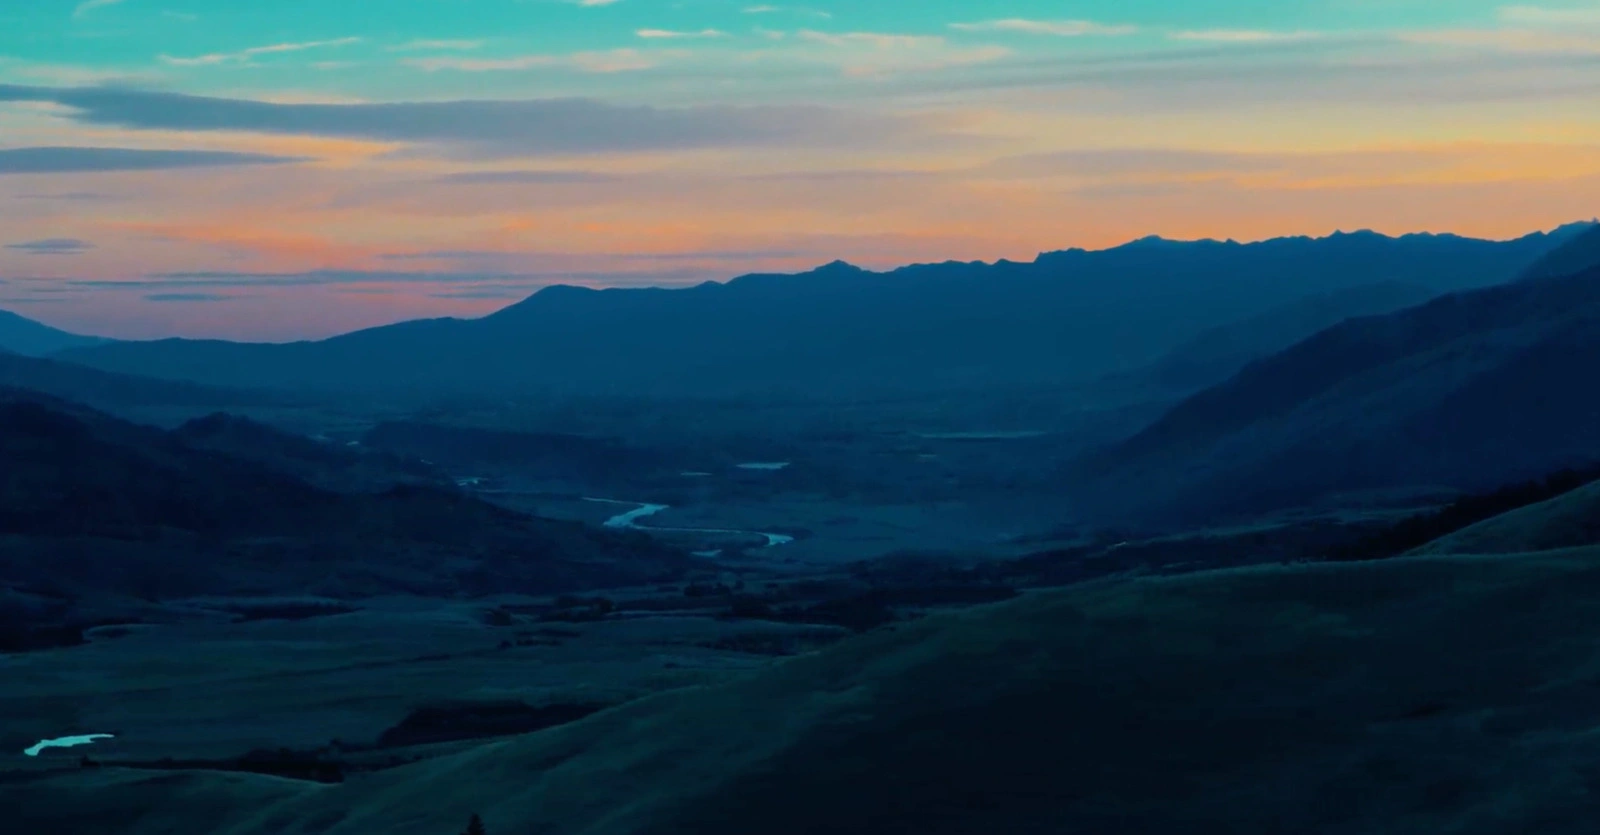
[165,165]
[534,291]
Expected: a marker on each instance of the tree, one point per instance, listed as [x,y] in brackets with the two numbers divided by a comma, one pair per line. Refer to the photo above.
[475,826]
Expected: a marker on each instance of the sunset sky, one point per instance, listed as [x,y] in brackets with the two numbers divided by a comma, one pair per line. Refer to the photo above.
[297,168]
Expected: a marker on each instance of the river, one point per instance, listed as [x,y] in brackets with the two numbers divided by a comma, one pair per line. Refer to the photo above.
[630,520]
[64,742]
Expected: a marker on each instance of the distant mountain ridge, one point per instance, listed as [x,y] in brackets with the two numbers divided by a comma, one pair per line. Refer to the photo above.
[93,506]
[20,335]
[841,330]
[1467,391]
[1579,250]
[120,393]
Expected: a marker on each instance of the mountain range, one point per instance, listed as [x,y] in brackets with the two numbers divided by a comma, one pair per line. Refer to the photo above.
[1466,391]
[1072,315]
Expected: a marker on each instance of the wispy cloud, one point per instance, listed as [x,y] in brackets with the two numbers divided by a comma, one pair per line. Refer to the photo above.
[440,44]
[244,55]
[1060,28]
[874,40]
[876,53]
[1242,35]
[605,61]
[88,6]
[1508,40]
[52,246]
[673,33]
[69,160]
[481,128]
[188,297]
[186,17]
[799,10]
[526,178]
[69,195]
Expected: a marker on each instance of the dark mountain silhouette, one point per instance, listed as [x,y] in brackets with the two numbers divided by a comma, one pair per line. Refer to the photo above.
[327,464]
[1071,315]
[20,335]
[1220,352]
[1467,391]
[542,454]
[94,505]
[120,393]
[1579,251]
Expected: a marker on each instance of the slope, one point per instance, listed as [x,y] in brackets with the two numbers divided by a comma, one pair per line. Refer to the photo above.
[20,335]
[333,467]
[1412,695]
[91,505]
[1577,253]
[121,392]
[840,330]
[1566,521]
[1220,352]
[1468,391]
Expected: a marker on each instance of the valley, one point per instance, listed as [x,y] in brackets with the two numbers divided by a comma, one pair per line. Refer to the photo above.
[299,611]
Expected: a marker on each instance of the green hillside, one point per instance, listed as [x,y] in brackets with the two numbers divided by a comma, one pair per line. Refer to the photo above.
[1438,694]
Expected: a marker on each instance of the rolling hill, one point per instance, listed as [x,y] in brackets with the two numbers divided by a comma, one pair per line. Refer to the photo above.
[1465,392]
[1567,521]
[841,330]
[123,393]
[1440,694]
[92,506]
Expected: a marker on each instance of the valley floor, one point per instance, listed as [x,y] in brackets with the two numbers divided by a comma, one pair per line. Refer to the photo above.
[1435,694]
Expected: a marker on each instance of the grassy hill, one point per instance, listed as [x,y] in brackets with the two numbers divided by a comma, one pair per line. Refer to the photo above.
[1432,694]
[1566,521]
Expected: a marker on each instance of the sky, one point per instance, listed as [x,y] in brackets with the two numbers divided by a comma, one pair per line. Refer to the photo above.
[298,168]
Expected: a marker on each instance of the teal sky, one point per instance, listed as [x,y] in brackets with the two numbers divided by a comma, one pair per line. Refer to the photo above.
[354,48]
[288,168]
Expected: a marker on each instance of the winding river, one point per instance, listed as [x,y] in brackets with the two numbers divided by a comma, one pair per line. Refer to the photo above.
[630,520]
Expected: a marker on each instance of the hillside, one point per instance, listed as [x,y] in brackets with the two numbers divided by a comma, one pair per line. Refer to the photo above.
[1577,253]
[841,330]
[92,506]
[121,393]
[547,455]
[1466,392]
[1566,521]
[1412,695]
[20,335]
[1220,352]
[332,466]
